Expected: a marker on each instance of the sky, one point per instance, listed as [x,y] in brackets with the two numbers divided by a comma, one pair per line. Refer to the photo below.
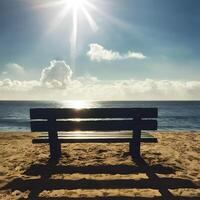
[99,50]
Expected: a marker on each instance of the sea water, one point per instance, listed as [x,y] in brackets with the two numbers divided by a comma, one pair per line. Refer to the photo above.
[173,115]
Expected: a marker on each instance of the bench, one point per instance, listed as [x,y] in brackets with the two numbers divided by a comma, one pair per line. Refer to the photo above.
[96,125]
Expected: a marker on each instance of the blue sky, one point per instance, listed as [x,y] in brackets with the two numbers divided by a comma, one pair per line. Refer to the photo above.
[166,33]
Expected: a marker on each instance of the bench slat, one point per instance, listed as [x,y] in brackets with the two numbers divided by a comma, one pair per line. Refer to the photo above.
[97,133]
[70,113]
[147,138]
[101,125]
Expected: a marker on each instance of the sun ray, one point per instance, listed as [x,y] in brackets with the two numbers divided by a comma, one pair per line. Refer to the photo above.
[49,4]
[76,8]
[89,4]
[74,37]
[90,20]
[59,18]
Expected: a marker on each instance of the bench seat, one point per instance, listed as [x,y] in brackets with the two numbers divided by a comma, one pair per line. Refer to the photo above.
[95,137]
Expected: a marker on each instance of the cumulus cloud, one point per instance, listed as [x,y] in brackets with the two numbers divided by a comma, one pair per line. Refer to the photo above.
[99,53]
[147,89]
[15,85]
[56,83]
[57,74]
[90,88]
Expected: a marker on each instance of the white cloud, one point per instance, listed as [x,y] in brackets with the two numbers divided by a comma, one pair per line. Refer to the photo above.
[57,83]
[99,53]
[90,88]
[15,68]
[12,70]
[4,73]
[58,74]
[18,85]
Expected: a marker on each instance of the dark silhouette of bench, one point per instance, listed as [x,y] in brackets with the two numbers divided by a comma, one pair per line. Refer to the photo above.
[96,125]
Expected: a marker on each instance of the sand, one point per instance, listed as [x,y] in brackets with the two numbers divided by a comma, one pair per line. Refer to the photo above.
[170,169]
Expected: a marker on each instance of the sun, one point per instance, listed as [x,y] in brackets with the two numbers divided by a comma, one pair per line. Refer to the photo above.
[74,9]
[76,4]
[77,9]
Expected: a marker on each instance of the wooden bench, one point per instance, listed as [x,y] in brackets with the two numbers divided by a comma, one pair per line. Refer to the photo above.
[96,125]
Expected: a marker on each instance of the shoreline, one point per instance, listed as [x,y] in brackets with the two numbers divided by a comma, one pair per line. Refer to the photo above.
[101,170]
[156,131]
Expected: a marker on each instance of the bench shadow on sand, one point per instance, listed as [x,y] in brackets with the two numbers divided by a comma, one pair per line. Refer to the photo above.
[36,186]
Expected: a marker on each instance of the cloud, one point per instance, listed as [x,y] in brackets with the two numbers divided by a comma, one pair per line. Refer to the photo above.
[99,53]
[131,89]
[56,83]
[13,67]
[90,88]
[12,70]
[58,74]
[15,85]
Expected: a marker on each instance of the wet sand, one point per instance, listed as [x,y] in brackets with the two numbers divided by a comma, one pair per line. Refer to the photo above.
[170,169]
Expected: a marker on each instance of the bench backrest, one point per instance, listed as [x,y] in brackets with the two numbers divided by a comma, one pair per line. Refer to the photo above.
[94,119]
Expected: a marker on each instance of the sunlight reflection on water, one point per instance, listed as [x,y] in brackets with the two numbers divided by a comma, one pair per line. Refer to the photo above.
[79,104]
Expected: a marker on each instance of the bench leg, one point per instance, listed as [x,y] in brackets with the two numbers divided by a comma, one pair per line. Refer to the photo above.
[55,150]
[134,145]
[55,146]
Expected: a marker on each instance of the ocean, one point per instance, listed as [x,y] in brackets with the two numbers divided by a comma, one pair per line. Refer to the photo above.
[173,115]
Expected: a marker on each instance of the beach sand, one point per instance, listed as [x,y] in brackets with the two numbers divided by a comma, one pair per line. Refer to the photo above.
[170,169]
